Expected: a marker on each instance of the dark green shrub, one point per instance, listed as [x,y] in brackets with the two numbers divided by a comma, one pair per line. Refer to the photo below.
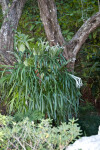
[89,124]
[89,120]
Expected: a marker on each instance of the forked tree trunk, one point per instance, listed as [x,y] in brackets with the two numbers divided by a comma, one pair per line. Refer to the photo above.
[48,15]
[11,13]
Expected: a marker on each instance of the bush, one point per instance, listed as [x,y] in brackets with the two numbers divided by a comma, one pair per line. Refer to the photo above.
[40,81]
[27,135]
[89,124]
[89,120]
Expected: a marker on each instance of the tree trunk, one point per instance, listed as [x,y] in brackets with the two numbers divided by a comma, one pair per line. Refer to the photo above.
[11,13]
[48,15]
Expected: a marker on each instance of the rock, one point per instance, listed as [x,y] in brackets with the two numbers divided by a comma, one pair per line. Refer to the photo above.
[86,143]
[99,131]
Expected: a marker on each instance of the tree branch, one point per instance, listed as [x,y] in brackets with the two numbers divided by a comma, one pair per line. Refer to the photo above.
[82,34]
[4,4]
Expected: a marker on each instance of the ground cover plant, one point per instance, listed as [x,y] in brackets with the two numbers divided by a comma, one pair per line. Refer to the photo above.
[27,135]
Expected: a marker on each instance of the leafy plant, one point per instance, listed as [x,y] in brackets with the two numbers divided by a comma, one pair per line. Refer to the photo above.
[40,81]
[27,135]
[22,41]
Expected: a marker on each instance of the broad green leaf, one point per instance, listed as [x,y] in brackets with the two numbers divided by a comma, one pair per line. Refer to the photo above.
[21,47]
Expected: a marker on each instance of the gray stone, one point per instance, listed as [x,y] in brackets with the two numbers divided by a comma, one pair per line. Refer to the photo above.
[86,143]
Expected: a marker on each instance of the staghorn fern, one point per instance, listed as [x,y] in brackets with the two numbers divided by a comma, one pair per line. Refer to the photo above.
[41,82]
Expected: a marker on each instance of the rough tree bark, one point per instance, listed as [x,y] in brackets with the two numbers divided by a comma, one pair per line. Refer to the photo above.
[11,14]
[48,13]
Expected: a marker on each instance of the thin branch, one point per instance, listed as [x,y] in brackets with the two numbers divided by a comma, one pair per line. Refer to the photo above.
[17,139]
